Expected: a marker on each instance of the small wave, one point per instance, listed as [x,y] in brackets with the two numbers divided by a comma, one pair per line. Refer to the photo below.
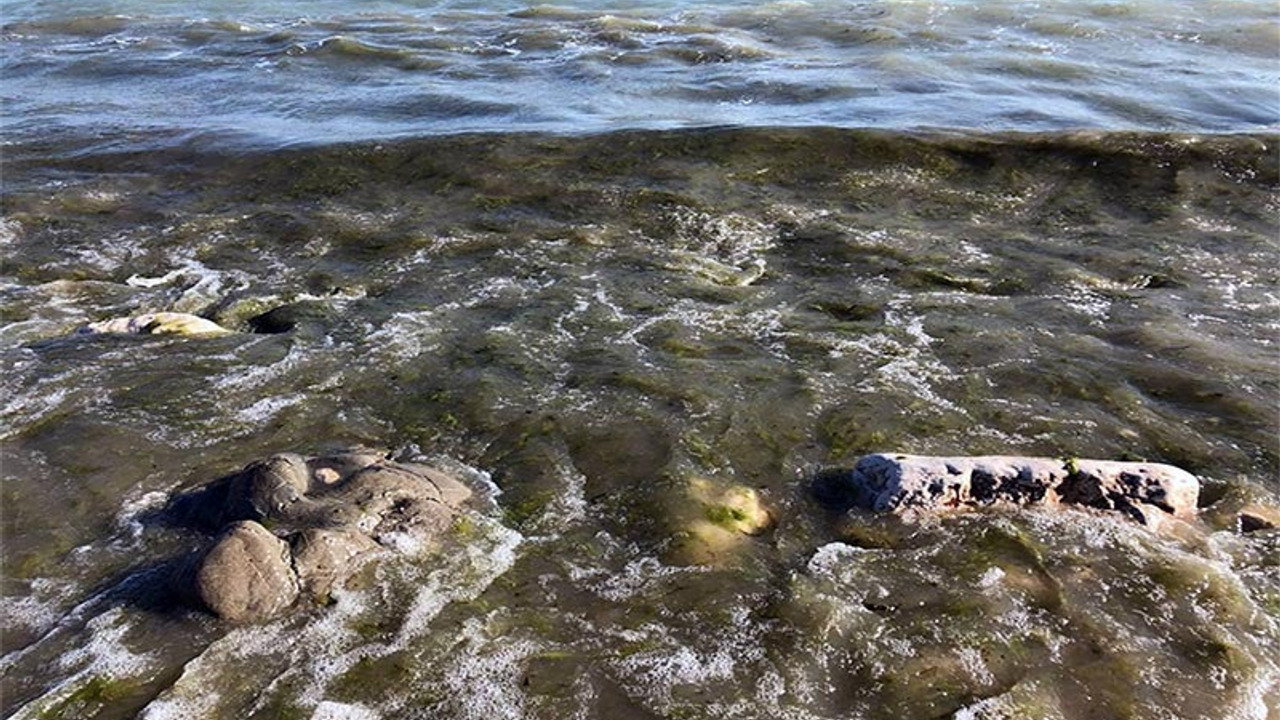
[435,105]
[330,710]
[102,657]
[345,47]
[79,26]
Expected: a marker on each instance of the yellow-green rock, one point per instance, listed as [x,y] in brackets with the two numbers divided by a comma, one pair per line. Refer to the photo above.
[723,517]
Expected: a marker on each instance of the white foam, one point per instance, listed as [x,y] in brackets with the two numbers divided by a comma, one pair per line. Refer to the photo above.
[671,664]
[402,542]
[255,377]
[984,709]
[329,710]
[482,562]
[9,231]
[1253,698]
[267,408]
[192,697]
[105,653]
[109,254]
[833,556]
[910,365]
[1092,305]
[132,509]
[991,578]
[406,335]
[146,282]
[26,409]
[483,677]
[972,662]
[37,611]
[637,577]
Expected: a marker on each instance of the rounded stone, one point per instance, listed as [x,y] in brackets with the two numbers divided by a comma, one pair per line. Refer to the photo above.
[246,576]
[325,557]
[273,485]
[724,516]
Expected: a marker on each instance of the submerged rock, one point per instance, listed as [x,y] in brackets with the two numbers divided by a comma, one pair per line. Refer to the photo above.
[725,515]
[1253,518]
[901,483]
[329,515]
[160,323]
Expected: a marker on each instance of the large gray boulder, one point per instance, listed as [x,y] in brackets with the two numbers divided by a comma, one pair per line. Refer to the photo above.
[902,483]
[329,516]
[247,575]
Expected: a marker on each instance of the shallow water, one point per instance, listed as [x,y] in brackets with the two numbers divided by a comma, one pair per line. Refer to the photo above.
[585,324]
[606,261]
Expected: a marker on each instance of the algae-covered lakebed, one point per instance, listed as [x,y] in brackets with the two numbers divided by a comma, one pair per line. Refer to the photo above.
[639,349]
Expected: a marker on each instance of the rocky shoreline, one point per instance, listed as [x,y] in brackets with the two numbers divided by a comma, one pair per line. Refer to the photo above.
[288,530]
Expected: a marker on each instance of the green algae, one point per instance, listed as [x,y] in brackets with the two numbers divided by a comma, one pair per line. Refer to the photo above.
[372,678]
[725,516]
[1208,587]
[91,697]
[527,509]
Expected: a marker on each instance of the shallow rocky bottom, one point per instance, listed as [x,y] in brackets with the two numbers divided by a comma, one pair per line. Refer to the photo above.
[640,350]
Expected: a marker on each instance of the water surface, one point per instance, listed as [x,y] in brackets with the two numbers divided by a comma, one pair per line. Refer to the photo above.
[602,260]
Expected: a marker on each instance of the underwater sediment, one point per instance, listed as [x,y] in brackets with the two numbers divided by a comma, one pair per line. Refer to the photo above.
[640,350]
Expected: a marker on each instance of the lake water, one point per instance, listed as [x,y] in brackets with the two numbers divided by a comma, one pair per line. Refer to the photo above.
[121,73]
[599,257]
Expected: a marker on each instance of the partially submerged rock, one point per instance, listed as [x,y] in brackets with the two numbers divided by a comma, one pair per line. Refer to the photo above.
[286,318]
[247,574]
[903,483]
[329,515]
[1253,518]
[324,558]
[159,323]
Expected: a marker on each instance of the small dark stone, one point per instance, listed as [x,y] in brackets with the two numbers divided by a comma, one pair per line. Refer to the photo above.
[982,485]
